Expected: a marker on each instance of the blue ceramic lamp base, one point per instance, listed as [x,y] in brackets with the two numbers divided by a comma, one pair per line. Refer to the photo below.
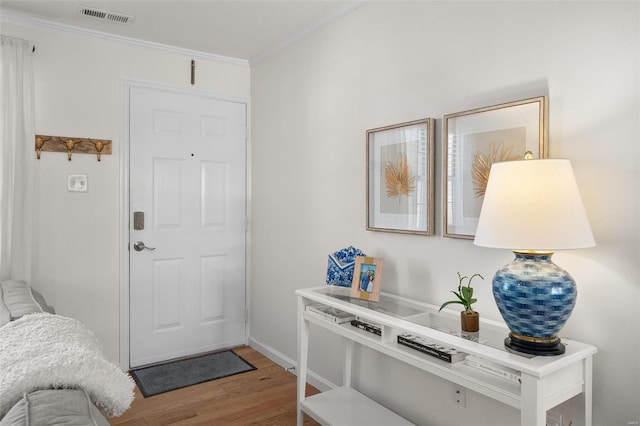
[535,297]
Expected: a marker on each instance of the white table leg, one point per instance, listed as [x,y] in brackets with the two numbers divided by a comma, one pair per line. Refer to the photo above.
[347,373]
[303,355]
[532,412]
[588,391]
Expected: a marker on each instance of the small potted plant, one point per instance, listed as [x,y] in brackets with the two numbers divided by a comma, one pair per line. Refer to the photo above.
[469,319]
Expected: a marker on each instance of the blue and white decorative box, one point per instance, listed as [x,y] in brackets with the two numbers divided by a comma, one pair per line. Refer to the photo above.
[341,266]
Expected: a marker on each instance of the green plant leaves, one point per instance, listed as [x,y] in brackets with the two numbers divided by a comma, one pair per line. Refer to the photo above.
[464,294]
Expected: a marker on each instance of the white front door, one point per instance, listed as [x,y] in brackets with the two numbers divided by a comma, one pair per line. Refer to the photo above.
[187,175]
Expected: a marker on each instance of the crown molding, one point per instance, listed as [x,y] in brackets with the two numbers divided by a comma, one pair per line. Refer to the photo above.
[348,7]
[30,21]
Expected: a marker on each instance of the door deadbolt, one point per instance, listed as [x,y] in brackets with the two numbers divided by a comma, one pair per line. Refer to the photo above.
[138,221]
[139,246]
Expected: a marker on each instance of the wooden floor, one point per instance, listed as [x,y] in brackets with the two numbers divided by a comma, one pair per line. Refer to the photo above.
[265,396]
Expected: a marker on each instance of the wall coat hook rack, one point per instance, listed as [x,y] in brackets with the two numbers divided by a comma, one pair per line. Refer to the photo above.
[72,145]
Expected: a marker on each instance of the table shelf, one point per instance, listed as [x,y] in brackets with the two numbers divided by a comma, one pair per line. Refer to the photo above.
[545,381]
[344,406]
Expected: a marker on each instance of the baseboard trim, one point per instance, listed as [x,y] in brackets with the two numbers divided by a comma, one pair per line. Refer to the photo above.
[289,364]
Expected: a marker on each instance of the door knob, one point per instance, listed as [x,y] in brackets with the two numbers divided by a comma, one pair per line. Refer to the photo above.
[139,246]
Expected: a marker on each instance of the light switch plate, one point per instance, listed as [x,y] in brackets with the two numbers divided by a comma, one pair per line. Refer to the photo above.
[77,183]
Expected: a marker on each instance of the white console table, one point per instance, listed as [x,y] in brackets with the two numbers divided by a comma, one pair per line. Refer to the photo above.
[546,381]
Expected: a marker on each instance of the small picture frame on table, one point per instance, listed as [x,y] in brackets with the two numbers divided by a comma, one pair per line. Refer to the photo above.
[367,276]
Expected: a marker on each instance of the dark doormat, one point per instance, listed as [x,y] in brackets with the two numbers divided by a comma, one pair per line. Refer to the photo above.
[179,374]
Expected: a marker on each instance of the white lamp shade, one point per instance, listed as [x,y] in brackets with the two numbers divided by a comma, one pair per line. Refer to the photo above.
[533,205]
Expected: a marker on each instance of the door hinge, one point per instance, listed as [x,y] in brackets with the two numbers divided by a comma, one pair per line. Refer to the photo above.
[246,315]
[246,224]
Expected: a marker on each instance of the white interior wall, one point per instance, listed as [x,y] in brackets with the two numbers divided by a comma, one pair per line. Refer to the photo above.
[78,85]
[390,62]
[383,64]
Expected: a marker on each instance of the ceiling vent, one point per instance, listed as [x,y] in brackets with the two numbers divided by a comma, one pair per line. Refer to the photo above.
[105,15]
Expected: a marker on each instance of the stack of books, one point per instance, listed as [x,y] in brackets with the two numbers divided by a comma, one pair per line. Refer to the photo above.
[329,314]
[366,325]
[494,369]
[431,347]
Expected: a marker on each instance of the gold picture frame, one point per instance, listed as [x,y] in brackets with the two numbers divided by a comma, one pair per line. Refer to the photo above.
[400,178]
[475,139]
[367,276]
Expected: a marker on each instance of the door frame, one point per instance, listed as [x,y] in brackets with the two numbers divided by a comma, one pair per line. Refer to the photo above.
[126,86]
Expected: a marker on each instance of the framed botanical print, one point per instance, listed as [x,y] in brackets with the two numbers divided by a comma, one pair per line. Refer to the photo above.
[367,276]
[400,173]
[473,141]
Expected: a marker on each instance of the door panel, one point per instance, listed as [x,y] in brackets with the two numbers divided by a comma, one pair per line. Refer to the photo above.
[168,304]
[214,193]
[187,174]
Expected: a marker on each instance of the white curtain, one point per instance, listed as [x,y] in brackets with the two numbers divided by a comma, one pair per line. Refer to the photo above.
[17,158]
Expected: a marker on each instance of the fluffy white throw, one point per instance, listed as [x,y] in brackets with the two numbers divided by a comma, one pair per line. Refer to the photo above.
[44,351]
